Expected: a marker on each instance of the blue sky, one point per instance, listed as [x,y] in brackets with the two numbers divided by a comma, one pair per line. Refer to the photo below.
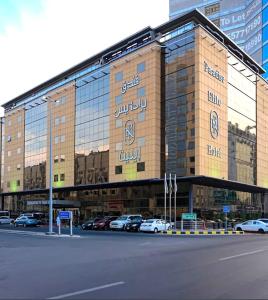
[10,11]
[41,38]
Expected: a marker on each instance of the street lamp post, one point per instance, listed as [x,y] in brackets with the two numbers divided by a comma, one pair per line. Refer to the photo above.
[47,98]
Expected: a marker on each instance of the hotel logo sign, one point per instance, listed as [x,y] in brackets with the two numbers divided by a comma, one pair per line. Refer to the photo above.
[214,124]
[213,73]
[129,132]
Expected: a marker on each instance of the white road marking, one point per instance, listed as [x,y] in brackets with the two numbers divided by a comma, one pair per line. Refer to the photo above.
[34,233]
[88,290]
[241,254]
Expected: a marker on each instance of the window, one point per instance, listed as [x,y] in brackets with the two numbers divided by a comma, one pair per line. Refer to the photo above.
[19,119]
[9,138]
[62,119]
[192,171]
[118,123]
[62,157]
[8,153]
[57,121]
[192,159]
[118,99]
[141,67]
[18,182]
[141,116]
[9,123]
[141,141]
[140,166]
[8,168]
[141,92]
[118,169]
[8,184]
[19,151]
[56,139]
[19,134]
[62,138]
[119,76]
[56,159]
[191,145]
[56,178]
[62,177]
[192,131]
[118,146]
[18,167]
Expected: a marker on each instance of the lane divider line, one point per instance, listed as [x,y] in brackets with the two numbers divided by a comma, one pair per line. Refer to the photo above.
[88,290]
[202,232]
[241,254]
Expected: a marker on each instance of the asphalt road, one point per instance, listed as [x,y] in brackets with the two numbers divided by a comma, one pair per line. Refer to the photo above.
[115,265]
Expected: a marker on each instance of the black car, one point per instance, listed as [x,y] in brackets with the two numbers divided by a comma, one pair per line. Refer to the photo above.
[89,223]
[134,225]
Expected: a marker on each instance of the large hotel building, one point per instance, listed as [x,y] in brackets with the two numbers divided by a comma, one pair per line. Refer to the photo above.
[181,98]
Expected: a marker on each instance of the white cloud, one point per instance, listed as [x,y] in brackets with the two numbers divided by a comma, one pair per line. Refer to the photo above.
[65,33]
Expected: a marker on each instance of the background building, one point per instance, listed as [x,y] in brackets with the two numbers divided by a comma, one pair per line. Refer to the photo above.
[244,21]
[181,98]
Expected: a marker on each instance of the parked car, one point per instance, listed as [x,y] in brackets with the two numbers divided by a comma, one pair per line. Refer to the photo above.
[25,221]
[134,225]
[89,223]
[253,226]
[39,216]
[6,220]
[121,222]
[155,225]
[263,220]
[104,223]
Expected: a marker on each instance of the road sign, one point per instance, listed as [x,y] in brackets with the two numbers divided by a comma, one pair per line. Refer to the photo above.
[226,209]
[188,216]
[65,215]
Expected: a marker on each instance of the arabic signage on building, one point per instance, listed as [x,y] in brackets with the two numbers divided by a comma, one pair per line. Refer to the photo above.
[130,84]
[213,98]
[126,108]
[214,151]
[132,155]
[129,132]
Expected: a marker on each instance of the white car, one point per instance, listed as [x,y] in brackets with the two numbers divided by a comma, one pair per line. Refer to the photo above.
[6,220]
[252,225]
[155,225]
[121,222]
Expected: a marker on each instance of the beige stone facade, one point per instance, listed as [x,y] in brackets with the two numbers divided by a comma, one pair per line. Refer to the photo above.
[211,148]
[141,113]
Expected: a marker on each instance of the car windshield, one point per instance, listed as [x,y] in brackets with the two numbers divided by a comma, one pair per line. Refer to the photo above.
[122,218]
[149,221]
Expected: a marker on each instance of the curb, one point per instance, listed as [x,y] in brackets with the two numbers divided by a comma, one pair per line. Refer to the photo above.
[203,232]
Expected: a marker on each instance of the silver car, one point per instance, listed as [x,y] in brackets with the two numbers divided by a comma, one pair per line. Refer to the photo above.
[6,220]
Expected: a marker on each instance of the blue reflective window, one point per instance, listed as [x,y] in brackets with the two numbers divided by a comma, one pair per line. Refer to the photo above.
[118,99]
[265,15]
[265,66]
[141,67]
[141,92]
[265,52]
[264,2]
[265,34]
[119,76]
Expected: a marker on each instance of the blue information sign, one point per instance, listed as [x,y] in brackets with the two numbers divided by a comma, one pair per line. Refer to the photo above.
[65,215]
[226,209]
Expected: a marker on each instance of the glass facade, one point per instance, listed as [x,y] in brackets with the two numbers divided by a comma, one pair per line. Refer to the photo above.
[242,161]
[244,22]
[35,146]
[179,95]
[92,128]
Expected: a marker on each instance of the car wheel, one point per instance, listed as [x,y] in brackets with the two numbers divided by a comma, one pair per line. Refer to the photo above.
[261,230]
[239,229]
[155,230]
[169,228]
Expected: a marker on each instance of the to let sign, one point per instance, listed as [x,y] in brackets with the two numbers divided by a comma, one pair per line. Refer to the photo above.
[188,216]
